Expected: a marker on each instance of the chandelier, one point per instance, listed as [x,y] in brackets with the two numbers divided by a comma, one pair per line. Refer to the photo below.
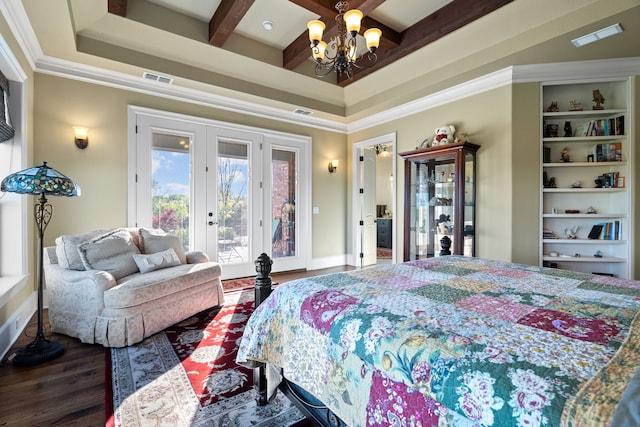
[344,47]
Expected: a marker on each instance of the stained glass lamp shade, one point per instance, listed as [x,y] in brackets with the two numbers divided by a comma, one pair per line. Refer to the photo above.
[43,181]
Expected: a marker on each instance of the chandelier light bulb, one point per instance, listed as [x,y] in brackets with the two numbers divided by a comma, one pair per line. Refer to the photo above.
[352,20]
[316,29]
[372,36]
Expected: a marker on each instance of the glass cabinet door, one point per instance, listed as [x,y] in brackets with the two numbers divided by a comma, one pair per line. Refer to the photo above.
[440,201]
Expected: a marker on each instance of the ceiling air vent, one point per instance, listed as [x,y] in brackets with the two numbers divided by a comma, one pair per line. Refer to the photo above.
[303,112]
[157,78]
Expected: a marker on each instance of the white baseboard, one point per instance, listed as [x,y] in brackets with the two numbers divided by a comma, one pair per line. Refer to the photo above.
[12,328]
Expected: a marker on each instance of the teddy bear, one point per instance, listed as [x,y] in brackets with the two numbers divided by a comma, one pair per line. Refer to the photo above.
[444,135]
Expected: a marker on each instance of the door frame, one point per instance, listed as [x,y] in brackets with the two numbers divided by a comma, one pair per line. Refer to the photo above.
[270,138]
[389,140]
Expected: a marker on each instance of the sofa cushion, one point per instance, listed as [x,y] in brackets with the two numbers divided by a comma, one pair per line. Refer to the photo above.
[156,261]
[112,252]
[141,288]
[157,240]
[67,248]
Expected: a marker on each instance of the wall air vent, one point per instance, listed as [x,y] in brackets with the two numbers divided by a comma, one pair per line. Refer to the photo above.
[303,112]
[157,78]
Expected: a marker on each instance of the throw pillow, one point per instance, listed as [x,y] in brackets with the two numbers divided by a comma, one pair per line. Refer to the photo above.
[67,248]
[156,240]
[151,262]
[112,252]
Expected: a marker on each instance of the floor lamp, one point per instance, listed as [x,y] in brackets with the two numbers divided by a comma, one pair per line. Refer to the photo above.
[40,181]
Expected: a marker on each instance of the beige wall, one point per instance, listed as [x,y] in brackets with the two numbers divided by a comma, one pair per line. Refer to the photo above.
[101,169]
[487,119]
[526,183]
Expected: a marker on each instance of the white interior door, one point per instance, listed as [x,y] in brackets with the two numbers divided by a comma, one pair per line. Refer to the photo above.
[368,206]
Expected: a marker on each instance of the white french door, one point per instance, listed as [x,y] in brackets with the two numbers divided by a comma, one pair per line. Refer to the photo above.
[234,200]
[232,192]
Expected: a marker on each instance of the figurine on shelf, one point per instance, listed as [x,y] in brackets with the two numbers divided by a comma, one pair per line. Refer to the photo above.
[598,254]
[571,233]
[577,184]
[567,129]
[592,210]
[553,108]
[552,182]
[598,98]
[564,155]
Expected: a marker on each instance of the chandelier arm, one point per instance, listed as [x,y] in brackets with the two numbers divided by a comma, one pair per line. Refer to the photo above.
[322,70]
[359,63]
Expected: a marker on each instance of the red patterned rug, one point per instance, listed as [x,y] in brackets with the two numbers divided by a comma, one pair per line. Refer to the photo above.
[384,253]
[187,376]
[238,284]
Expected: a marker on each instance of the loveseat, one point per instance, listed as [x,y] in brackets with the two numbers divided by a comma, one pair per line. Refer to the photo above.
[117,287]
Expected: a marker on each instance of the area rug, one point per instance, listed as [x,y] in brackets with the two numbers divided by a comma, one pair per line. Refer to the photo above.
[238,284]
[187,376]
[384,253]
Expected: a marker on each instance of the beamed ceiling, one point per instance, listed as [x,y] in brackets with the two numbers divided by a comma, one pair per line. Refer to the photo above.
[219,48]
[394,44]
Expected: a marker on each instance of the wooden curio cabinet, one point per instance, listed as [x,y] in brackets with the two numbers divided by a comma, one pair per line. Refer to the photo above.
[440,197]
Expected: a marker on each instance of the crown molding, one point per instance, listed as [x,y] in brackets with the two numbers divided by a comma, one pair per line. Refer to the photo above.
[602,69]
[472,87]
[18,21]
[97,75]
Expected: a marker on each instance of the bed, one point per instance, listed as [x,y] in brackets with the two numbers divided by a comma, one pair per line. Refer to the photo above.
[455,341]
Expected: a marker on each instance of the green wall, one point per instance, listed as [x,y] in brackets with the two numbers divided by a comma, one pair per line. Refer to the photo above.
[101,169]
[487,119]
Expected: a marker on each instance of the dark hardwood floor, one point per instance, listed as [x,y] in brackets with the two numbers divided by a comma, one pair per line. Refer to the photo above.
[69,390]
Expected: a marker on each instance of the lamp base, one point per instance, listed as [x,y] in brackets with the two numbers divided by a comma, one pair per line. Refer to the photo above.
[39,351]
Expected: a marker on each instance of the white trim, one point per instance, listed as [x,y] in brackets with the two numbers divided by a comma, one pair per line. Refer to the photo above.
[12,328]
[472,87]
[96,75]
[18,21]
[602,69]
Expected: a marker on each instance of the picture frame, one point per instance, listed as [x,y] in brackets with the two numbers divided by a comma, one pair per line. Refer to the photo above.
[620,182]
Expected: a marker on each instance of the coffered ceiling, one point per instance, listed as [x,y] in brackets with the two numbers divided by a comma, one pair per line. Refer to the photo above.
[220,47]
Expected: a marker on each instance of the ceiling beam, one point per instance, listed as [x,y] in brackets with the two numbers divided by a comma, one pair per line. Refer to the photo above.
[225,19]
[458,13]
[117,7]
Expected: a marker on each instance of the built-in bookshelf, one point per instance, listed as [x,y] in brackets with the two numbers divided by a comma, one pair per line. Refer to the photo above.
[585,172]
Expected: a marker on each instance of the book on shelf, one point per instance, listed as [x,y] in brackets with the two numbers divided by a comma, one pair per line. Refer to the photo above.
[601,127]
[609,230]
[608,152]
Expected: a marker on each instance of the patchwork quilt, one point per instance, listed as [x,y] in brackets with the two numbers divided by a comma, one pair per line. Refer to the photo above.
[455,341]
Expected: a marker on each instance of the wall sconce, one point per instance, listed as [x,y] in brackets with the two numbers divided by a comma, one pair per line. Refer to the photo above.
[81,137]
[333,166]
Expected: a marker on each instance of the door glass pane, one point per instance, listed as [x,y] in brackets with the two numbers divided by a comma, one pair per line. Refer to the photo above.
[171,183]
[283,212]
[233,202]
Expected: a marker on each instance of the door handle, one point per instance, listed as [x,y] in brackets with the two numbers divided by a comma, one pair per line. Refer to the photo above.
[211,222]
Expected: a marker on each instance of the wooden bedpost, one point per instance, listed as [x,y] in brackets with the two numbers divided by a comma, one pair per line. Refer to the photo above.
[262,289]
[445,244]
[263,280]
